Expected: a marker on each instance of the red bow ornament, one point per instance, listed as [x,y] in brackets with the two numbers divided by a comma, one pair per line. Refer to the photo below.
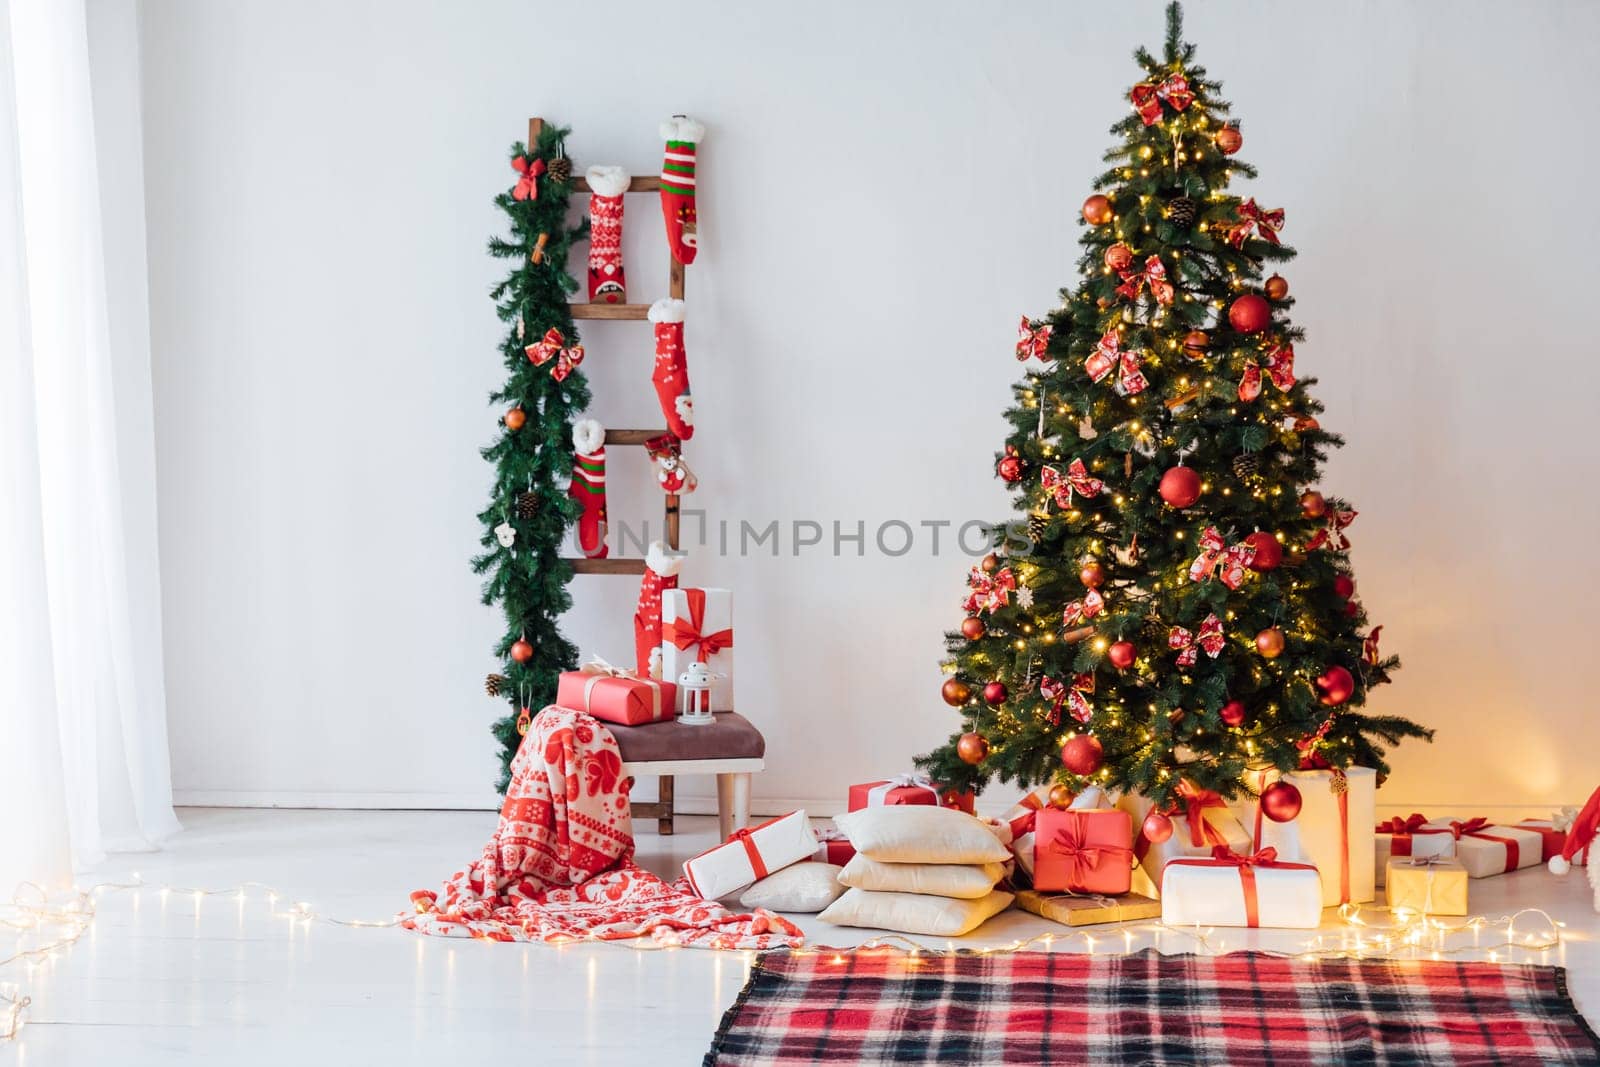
[527,188]
[1208,640]
[1266,224]
[1229,564]
[1333,535]
[1154,274]
[1031,340]
[1075,696]
[1076,480]
[1369,647]
[1108,355]
[554,346]
[1279,365]
[1147,97]
[1081,611]
[1311,757]
[990,592]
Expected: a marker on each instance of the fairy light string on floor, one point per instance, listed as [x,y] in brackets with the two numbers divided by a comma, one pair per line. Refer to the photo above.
[1409,936]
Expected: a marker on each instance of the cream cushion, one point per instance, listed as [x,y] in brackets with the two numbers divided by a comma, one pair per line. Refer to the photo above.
[919,833]
[914,913]
[803,887]
[967,881]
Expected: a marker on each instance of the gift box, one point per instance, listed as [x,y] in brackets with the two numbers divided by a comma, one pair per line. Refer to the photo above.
[615,694]
[1083,851]
[833,847]
[697,626]
[1407,836]
[1228,889]
[907,789]
[1486,849]
[1431,885]
[1335,830]
[1200,822]
[1555,838]
[1087,910]
[1021,815]
[750,855]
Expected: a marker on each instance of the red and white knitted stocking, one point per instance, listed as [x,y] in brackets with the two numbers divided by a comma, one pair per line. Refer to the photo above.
[589,485]
[671,374]
[661,573]
[607,281]
[677,185]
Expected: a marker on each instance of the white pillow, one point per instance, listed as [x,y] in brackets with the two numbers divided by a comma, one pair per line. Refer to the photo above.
[804,887]
[914,913]
[920,833]
[967,881]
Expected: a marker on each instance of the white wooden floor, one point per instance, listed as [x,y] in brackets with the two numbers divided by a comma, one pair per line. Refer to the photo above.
[164,982]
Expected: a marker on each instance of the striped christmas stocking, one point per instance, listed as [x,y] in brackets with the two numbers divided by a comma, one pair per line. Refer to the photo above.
[589,486]
[671,373]
[677,185]
[661,573]
[607,282]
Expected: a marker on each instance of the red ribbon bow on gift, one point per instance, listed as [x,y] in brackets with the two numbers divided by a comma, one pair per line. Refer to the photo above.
[1209,641]
[1079,611]
[526,188]
[1196,801]
[1229,564]
[1076,480]
[1333,536]
[1147,97]
[1082,858]
[554,346]
[1058,692]
[1471,826]
[1108,355]
[1031,340]
[1134,281]
[1369,647]
[687,633]
[1266,224]
[1279,365]
[989,592]
[1408,825]
[1266,857]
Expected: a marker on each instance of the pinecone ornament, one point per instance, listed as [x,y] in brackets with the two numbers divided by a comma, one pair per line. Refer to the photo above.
[527,504]
[1037,525]
[1181,211]
[1246,465]
[494,684]
[560,169]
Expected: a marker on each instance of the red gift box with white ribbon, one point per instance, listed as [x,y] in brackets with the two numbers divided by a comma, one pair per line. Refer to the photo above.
[907,789]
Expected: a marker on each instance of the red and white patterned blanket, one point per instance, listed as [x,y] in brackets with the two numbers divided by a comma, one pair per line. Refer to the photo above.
[560,864]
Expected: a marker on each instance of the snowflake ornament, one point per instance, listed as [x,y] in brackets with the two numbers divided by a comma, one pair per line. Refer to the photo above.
[1024,598]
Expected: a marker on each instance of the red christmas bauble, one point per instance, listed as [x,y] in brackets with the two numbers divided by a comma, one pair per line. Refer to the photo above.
[1097,210]
[1122,654]
[1351,607]
[1344,586]
[521,651]
[1306,423]
[1280,802]
[1009,468]
[515,419]
[1276,287]
[1269,642]
[1337,686]
[1119,256]
[1249,313]
[1312,504]
[1156,828]
[973,628]
[1180,486]
[955,692]
[995,693]
[1061,796]
[1233,713]
[1092,574]
[972,748]
[1229,140]
[990,563]
[1082,755]
[1196,343]
[1269,553]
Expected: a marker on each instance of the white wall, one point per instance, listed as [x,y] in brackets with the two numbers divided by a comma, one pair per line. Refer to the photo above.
[884,190]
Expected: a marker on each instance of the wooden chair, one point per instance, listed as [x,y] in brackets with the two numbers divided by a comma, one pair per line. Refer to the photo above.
[731,748]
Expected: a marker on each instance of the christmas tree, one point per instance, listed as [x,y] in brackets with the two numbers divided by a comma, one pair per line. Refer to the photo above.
[529,511]
[1179,604]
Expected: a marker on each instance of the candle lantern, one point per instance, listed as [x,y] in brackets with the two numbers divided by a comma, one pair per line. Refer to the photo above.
[694,696]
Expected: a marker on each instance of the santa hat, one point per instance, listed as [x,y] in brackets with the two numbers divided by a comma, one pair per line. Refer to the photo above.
[1579,836]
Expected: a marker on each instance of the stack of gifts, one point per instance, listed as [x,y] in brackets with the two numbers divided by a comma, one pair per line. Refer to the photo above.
[1410,837]
[1021,818]
[907,789]
[1333,832]
[615,694]
[697,627]
[1233,889]
[751,855]
[921,869]
[1200,821]
[1081,866]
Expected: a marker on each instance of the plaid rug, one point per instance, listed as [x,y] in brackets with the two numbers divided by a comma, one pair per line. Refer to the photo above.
[1068,1008]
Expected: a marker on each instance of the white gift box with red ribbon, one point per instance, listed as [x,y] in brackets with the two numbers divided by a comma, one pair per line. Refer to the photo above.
[697,625]
[1487,849]
[1200,821]
[1335,830]
[1250,891]
[1408,836]
[750,855]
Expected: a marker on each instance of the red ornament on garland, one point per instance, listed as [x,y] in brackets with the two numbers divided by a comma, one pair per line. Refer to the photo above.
[515,419]
[995,693]
[1270,642]
[1061,797]
[1313,505]
[1082,755]
[1119,256]
[972,748]
[1092,574]
[1344,586]
[955,692]
[1010,466]
[1196,343]
[1229,140]
[1281,802]
[1233,713]
[1180,486]
[1269,553]
[1249,313]
[521,651]
[1097,210]
[1156,828]
[1337,686]
[1277,287]
[973,628]
[1122,654]
[989,563]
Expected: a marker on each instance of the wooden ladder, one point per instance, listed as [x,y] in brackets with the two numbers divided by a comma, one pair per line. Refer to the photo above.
[661,810]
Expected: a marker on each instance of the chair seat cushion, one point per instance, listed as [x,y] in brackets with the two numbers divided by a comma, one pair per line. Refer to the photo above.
[732,736]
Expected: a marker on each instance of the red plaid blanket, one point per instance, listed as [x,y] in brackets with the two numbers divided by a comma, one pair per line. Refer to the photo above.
[1069,1008]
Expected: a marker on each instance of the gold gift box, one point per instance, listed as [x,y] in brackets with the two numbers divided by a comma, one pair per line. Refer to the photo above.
[1088,910]
[1429,886]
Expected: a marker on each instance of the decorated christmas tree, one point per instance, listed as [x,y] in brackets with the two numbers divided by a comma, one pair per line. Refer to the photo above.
[1179,604]
[529,509]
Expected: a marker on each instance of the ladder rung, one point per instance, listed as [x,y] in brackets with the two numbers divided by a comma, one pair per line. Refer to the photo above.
[651,184]
[631,437]
[609,311]
[607,566]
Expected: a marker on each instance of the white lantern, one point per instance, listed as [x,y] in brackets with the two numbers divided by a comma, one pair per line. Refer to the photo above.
[694,696]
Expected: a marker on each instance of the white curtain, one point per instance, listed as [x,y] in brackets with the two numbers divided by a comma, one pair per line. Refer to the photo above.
[84,767]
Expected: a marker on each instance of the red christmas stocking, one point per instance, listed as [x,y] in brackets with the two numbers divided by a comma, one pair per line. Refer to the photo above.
[677,185]
[672,367]
[661,572]
[589,485]
[607,282]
